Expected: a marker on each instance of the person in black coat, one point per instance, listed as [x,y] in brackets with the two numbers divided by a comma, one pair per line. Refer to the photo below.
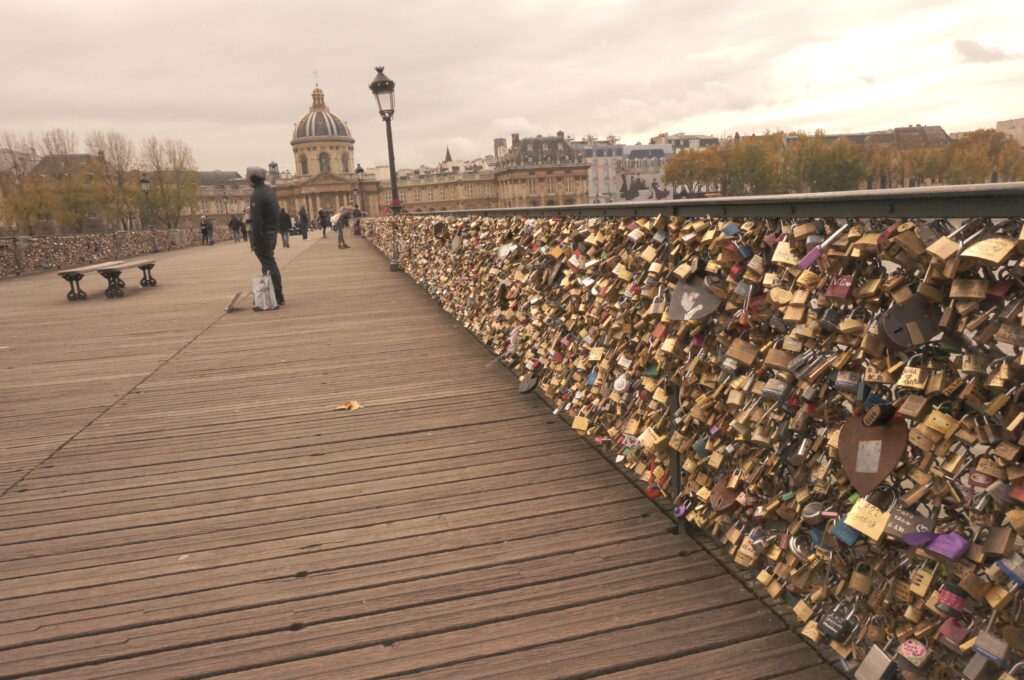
[284,225]
[235,225]
[303,223]
[264,213]
[325,221]
[206,228]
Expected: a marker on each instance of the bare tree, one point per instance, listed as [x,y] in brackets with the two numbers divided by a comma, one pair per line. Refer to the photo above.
[174,178]
[21,198]
[118,174]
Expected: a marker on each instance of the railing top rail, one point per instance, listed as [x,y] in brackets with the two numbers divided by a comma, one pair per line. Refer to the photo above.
[968,200]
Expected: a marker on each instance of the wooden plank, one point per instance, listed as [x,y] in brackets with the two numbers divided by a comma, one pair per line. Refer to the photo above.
[412,612]
[171,597]
[750,652]
[473,570]
[252,531]
[399,642]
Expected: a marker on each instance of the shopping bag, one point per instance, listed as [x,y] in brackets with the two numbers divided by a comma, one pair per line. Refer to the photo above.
[263,298]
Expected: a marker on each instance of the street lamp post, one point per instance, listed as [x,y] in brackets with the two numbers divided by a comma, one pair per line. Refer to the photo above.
[225,197]
[359,187]
[383,89]
[144,185]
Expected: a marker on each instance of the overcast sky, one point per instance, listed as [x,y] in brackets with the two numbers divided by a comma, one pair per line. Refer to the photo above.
[231,78]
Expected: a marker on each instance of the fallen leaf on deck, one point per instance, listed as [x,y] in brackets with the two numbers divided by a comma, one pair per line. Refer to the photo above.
[348,406]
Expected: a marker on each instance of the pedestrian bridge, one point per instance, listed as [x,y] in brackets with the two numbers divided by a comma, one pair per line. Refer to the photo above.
[179,497]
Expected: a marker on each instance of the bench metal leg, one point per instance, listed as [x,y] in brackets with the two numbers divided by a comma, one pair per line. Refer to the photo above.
[115,286]
[76,292]
[147,276]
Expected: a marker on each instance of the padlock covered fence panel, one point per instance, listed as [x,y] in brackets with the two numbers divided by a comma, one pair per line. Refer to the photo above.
[835,396]
[23,254]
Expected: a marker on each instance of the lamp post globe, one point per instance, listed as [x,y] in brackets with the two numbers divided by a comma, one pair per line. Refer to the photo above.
[383,89]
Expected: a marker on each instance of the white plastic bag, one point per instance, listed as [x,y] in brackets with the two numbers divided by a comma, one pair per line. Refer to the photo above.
[263,298]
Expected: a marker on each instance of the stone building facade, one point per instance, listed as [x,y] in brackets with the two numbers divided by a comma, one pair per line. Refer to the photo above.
[541,171]
[451,185]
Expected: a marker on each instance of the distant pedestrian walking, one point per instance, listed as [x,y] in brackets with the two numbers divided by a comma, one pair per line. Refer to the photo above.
[325,221]
[284,225]
[357,226]
[304,223]
[265,212]
[235,225]
[206,228]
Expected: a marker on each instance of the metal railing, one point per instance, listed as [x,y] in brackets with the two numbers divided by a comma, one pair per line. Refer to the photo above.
[967,200]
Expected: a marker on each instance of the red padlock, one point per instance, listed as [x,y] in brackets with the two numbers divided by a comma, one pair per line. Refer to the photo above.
[953,631]
[840,288]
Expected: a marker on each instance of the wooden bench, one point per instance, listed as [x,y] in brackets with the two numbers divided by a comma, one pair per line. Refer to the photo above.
[73,276]
[111,271]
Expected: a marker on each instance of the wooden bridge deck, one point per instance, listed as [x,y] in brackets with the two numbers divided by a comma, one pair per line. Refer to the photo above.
[179,500]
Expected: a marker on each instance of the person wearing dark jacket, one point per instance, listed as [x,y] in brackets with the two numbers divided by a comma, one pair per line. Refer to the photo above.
[325,221]
[357,216]
[235,225]
[342,225]
[304,223]
[284,225]
[264,213]
[206,228]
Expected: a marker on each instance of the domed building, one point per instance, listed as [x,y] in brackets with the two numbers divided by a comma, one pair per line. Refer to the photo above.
[321,141]
[325,169]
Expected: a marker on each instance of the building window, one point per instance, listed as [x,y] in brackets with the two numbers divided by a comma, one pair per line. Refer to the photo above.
[533,187]
[304,164]
[416,196]
[568,185]
[344,162]
[325,162]
[430,194]
[469,191]
[550,188]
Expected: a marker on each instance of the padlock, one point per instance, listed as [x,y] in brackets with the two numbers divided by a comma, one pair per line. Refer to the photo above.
[999,541]
[915,652]
[874,630]
[860,579]
[878,664]
[951,599]
[840,622]
[991,646]
[954,630]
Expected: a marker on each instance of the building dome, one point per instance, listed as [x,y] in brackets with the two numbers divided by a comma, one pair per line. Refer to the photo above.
[319,122]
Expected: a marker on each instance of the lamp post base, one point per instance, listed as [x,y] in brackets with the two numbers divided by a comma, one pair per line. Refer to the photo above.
[394,267]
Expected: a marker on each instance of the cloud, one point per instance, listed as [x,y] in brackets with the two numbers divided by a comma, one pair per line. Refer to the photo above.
[971,51]
[603,67]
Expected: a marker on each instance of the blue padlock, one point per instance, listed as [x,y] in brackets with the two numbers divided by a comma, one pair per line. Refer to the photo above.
[844,532]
